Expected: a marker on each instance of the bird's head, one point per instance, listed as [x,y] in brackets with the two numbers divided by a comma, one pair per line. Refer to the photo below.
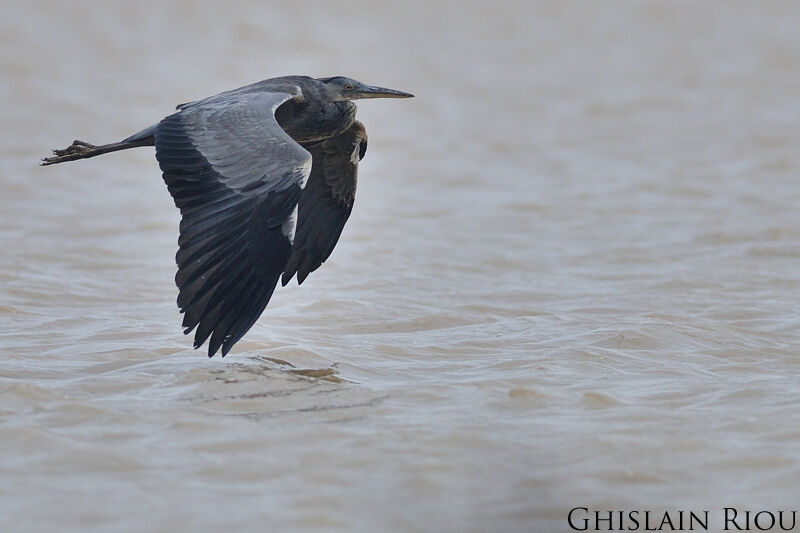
[342,89]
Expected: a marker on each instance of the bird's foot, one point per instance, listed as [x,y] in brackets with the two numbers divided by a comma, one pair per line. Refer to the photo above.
[77,150]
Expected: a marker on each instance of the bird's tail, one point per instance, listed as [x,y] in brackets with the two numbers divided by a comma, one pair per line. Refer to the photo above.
[83,150]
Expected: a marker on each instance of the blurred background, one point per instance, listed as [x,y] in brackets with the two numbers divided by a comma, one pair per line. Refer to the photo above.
[570,278]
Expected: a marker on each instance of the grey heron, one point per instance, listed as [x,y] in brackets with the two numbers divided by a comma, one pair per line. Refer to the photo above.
[265,179]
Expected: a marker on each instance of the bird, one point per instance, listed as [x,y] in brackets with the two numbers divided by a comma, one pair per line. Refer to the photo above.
[264,177]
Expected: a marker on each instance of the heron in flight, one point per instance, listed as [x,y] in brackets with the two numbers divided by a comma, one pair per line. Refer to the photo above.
[265,179]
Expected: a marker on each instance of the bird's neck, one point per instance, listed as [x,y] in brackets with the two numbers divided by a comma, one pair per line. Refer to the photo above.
[310,122]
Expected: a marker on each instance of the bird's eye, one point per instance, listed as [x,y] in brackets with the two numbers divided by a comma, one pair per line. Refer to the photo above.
[348,87]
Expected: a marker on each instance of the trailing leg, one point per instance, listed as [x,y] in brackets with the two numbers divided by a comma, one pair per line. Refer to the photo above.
[83,150]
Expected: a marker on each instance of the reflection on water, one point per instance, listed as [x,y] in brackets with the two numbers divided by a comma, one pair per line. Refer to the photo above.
[569,279]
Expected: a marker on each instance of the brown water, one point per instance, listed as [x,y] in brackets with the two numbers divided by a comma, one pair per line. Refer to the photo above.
[570,279]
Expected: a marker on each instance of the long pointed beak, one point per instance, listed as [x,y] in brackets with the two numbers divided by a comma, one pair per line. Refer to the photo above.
[379,92]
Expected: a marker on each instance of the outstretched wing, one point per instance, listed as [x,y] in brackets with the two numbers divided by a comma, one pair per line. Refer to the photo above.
[236,177]
[327,200]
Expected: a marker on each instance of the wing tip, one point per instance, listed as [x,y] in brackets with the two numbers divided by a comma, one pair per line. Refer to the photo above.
[301,276]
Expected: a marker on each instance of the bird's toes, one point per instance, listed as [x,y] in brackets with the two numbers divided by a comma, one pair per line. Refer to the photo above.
[77,147]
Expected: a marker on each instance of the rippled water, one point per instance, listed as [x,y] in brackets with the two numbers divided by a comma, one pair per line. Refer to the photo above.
[570,278]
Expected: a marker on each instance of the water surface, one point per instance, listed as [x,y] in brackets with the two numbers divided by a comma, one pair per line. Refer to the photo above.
[570,278]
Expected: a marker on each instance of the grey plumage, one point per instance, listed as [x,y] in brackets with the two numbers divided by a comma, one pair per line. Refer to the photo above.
[238,166]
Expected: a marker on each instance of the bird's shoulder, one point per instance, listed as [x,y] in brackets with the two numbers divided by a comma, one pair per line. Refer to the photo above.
[285,87]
